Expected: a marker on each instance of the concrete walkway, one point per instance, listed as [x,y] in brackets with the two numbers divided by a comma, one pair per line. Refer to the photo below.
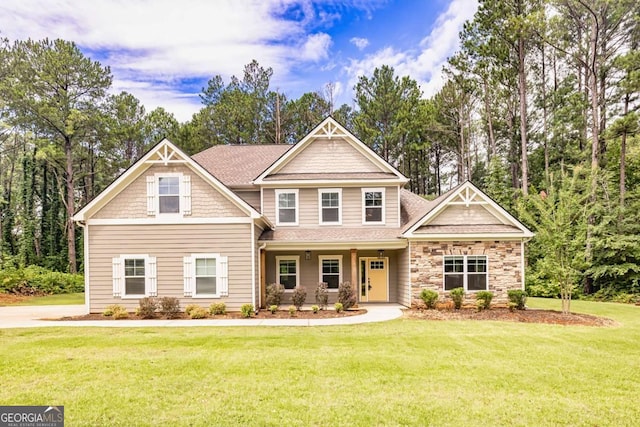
[33,317]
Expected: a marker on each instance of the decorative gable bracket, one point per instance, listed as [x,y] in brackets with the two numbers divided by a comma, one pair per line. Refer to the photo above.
[468,197]
[166,155]
[329,129]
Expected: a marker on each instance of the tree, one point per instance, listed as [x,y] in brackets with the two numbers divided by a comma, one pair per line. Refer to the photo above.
[53,88]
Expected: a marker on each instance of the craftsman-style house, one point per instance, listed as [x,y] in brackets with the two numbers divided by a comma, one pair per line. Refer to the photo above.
[224,223]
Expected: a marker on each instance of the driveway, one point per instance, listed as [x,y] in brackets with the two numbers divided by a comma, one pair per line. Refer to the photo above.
[35,317]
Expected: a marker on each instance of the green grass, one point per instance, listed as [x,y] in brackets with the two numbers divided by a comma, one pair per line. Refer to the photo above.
[59,299]
[404,372]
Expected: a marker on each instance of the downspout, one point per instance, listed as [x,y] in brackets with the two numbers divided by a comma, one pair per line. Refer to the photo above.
[85,237]
[260,249]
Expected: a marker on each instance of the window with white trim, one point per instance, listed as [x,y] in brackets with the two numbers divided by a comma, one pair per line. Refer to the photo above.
[287,271]
[373,205]
[469,272]
[134,276]
[287,207]
[330,203]
[330,270]
[168,194]
[206,276]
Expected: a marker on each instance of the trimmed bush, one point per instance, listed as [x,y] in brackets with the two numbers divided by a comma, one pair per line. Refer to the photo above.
[483,300]
[292,310]
[147,308]
[198,313]
[315,309]
[299,296]
[169,307]
[322,295]
[517,298]
[189,308]
[274,294]
[120,314]
[218,308]
[430,298]
[346,296]
[338,306]
[112,309]
[457,295]
[246,310]
[273,309]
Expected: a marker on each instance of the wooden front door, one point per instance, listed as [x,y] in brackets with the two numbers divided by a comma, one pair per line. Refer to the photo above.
[374,279]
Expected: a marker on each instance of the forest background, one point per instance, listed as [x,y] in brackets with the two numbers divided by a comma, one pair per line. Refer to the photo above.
[540,110]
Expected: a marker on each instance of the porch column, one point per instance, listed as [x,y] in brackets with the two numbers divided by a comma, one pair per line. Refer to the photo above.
[354,274]
[263,278]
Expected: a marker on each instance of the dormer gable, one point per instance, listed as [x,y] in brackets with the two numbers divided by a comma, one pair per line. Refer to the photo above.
[330,153]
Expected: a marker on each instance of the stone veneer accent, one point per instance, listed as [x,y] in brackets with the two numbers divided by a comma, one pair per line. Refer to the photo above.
[504,258]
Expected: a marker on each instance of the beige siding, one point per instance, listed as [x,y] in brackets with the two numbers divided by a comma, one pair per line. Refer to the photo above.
[252,197]
[330,156]
[404,280]
[504,262]
[169,244]
[461,214]
[308,215]
[206,201]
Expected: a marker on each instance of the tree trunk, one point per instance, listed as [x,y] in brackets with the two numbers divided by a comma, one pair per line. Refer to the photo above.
[523,114]
[487,108]
[70,205]
[623,154]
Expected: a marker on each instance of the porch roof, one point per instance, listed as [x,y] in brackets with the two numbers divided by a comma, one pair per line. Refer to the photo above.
[347,237]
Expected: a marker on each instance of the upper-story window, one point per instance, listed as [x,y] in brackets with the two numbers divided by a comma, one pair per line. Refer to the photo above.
[373,205]
[168,194]
[287,207]
[330,203]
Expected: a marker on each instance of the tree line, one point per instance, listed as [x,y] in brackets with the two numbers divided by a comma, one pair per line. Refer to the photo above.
[539,108]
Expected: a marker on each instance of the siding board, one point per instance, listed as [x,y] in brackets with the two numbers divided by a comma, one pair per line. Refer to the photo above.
[330,156]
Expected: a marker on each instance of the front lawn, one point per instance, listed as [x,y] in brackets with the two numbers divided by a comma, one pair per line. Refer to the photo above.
[404,372]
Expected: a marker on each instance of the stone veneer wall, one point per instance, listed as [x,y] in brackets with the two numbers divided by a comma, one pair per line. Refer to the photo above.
[504,258]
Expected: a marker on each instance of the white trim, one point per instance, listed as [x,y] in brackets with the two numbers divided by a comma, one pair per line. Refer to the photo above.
[300,245]
[330,257]
[298,183]
[278,192]
[158,176]
[295,258]
[322,191]
[189,274]
[409,278]
[364,191]
[170,220]
[399,213]
[119,281]
[465,237]
[256,305]
[87,276]
[465,273]
[522,266]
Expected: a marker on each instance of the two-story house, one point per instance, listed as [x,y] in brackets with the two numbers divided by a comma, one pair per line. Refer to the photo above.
[224,223]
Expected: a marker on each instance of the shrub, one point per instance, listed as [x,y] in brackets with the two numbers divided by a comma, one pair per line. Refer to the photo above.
[35,280]
[292,310]
[147,308]
[246,310]
[483,300]
[273,308]
[430,297]
[274,294]
[120,314]
[218,308]
[322,295]
[112,309]
[518,298]
[315,309]
[346,296]
[457,295]
[198,313]
[338,306]
[189,308]
[169,307]
[299,296]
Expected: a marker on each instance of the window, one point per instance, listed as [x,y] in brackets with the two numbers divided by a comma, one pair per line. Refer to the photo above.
[134,276]
[286,207]
[287,274]
[331,270]
[330,202]
[466,271]
[205,276]
[168,194]
[373,206]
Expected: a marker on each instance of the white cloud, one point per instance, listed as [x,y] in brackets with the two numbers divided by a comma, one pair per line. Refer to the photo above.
[425,65]
[316,47]
[359,42]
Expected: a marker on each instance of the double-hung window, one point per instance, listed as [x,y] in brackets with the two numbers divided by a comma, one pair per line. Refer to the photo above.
[469,272]
[287,273]
[205,276]
[286,207]
[168,194]
[331,270]
[373,205]
[134,276]
[330,202]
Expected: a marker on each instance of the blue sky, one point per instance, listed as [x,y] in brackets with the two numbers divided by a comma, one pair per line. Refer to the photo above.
[164,51]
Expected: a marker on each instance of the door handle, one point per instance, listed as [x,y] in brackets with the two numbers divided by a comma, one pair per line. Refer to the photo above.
[370,287]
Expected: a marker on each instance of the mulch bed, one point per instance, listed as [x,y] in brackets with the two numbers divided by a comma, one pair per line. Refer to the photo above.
[262,314]
[504,314]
